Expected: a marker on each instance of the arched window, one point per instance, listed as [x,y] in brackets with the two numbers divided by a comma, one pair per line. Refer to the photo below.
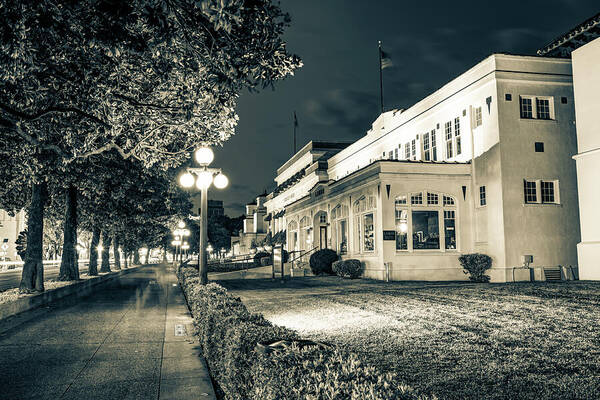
[339,222]
[364,224]
[427,222]
[292,232]
[304,233]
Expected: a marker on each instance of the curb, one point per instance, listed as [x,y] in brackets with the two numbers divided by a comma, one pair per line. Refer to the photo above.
[80,289]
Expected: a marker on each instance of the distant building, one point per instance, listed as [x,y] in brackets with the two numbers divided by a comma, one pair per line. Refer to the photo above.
[10,227]
[582,44]
[481,165]
[215,208]
[254,228]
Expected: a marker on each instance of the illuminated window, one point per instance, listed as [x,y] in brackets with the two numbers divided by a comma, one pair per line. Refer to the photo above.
[401,199]
[449,229]
[401,229]
[425,230]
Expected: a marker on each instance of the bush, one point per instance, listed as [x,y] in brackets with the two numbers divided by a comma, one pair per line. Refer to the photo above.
[320,261]
[258,256]
[229,335]
[348,268]
[475,265]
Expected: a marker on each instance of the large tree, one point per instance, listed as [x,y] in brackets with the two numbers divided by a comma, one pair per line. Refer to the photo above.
[150,80]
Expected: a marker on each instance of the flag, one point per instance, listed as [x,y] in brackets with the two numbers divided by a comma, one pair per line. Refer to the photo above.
[386,61]
[295,120]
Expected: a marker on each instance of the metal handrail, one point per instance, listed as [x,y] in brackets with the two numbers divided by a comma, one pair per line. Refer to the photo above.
[302,254]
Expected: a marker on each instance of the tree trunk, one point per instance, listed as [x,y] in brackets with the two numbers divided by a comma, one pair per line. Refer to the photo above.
[125,259]
[147,255]
[136,257]
[116,253]
[69,268]
[164,260]
[93,265]
[105,266]
[32,277]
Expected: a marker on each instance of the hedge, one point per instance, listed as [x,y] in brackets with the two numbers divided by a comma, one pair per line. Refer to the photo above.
[233,342]
[348,268]
[475,265]
[320,261]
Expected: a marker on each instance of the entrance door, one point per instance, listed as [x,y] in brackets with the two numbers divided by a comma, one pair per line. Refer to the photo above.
[323,237]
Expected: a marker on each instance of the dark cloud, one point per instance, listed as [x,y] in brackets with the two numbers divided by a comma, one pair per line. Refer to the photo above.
[336,93]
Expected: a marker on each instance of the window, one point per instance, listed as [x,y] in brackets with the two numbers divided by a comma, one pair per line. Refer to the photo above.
[319,192]
[433,147]
[543,108]
[539,147]
[563,100]
[482,199]
[526,108]
[539,107]
[322,218]
[342,232]
[448,130]
[413,149]
[449,231]
[547,192]
[425,230]
[401,229]
[530,190]
[407,150]
[448,201]
[401,199]
[416,199]
[457,135]
[508,97]
[432,199]
[369,233]
[478,117]
[383,155]
[426,149]
[395,154]
[390,155]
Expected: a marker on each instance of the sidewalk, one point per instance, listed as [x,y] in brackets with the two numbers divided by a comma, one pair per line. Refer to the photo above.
[129,340]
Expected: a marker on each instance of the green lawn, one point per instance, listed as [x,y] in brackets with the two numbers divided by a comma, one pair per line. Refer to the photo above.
[454,340]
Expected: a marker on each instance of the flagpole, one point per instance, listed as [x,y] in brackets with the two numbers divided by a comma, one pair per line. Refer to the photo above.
[380,78]
[295,126]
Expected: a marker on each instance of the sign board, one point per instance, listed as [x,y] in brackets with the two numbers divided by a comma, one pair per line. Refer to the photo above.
[389,235]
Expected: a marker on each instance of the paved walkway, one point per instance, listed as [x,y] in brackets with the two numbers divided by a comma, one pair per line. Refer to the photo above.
[126,341]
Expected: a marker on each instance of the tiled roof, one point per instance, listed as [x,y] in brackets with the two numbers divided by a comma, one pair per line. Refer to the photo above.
[563,45]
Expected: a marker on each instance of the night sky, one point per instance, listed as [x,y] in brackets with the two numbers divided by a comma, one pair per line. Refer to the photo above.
[336,93]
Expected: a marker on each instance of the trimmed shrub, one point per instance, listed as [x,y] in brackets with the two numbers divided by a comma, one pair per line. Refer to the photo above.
[348,268]
[320,261]
[258,256]
[229,335]
[475,266]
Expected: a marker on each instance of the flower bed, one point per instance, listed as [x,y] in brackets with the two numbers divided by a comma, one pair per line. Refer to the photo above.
[234,340]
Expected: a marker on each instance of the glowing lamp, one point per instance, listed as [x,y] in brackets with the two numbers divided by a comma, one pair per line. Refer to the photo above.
[204,180]
[181,224]
[221,181]
[204,155]
[100,248]
[186,180]
[403,227]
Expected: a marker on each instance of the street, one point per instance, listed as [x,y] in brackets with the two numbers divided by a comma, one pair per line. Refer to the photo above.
[11,278]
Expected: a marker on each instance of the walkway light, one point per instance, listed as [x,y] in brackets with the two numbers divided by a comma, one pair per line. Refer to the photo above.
[204,155]
[204,179]
[181,224]
[186,180]
[221,181]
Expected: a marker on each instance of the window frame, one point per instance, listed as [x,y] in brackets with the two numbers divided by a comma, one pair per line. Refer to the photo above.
[535,103]
[539,191]
[482,196]
[446,202]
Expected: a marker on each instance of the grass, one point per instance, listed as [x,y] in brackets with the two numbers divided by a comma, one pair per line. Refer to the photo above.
[454,340]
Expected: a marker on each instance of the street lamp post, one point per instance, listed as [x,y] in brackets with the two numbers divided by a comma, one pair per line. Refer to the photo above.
[203,177]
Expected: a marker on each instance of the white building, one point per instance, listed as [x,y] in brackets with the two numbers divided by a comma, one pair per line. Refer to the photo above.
[582,44]
[481,165]
[10,227]
[254,228]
